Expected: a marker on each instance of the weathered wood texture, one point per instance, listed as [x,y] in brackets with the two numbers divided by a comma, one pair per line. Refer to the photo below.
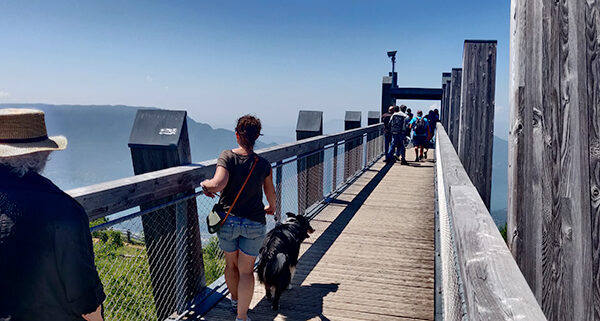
[110,197]
[553,221]
[454,106]
[446,77]
[310,168]
[371,257]
[443,107]
[386,96]
[447,98]
[171,234]
[476,131]
[493,285]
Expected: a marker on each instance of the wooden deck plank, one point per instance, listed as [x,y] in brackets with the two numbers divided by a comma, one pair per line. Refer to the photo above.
[371,258]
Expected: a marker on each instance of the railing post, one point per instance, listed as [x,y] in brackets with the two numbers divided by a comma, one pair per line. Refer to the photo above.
[351,157]
[554,154]
[386,96]
[454,106]
[373,118]
[444,102]
[310,168]
[159,140]
[278,188]
[335,167]
[476,132]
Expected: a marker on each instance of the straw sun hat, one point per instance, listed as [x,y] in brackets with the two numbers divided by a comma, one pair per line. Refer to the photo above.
[23,131]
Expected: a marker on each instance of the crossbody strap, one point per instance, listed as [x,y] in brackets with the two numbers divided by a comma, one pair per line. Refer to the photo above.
[240,192]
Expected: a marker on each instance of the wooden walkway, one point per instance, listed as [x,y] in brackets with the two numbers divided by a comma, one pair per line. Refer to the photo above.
[371,258]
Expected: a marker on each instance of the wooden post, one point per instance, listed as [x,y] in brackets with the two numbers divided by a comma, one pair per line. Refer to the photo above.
[476,132]
[159,140]
[373,117]
[310,168]
[351,159]
[386,95]
[554,154]
[444,108]
[454,106]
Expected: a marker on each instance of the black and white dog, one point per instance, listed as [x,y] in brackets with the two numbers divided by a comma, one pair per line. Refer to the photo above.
[279,255]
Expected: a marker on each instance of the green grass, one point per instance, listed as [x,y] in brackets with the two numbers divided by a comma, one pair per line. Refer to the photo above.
[124,271]
[125,274]
[214,261]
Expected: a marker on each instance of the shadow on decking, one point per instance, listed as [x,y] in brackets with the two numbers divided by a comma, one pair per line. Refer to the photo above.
[301,303]
[308,300]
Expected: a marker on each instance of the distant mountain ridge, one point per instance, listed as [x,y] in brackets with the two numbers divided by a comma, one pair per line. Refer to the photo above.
[98,152]
[98,137]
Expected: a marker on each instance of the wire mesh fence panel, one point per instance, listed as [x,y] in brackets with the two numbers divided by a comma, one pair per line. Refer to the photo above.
[153,263]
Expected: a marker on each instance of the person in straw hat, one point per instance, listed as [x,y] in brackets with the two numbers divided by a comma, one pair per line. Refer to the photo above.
[47,269]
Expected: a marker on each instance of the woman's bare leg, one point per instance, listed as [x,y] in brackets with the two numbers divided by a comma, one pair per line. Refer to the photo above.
[246,283]
[232,274]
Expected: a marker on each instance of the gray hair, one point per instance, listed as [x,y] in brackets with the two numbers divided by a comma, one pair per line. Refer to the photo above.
[23,164]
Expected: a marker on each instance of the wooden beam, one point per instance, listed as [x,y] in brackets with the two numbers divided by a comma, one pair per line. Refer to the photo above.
[443,105]
[483,259]
[416,93]
[103,199]
[454,106]
[553,222]
[476,131]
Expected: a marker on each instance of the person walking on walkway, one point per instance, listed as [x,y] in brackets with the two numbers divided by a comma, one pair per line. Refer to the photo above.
[387,135]
[433,119]
[410,114]
[244,230]
[47,269]
[399,129]
[420,128]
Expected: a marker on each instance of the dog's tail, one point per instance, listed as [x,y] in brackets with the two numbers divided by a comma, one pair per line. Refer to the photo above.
[272,268]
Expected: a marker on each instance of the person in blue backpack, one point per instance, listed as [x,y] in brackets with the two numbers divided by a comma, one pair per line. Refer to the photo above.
[399,130]
[420,127]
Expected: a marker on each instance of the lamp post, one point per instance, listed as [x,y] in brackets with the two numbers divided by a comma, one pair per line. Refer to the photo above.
[392,54]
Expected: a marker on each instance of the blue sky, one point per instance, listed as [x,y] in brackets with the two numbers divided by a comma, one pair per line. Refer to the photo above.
[222,59]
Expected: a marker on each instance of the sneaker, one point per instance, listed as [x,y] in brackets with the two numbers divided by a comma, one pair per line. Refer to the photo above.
[247,319]
[425,155]
[234,306]
[403,162]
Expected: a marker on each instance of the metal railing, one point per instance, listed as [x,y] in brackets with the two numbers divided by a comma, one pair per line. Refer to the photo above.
[478,277]
[153,252]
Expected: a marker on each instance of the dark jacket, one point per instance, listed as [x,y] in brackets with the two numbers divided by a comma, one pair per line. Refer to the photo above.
[47,269]
[385,119]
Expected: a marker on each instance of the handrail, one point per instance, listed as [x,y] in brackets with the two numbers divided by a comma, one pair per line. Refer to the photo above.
[106,198]
[492,286]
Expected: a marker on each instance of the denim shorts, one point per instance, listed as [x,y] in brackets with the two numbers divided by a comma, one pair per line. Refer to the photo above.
[242,234]
[420,141]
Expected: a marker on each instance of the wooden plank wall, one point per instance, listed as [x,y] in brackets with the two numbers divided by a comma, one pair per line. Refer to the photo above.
[554,168]
[454,106]
[476,132]
[494,288]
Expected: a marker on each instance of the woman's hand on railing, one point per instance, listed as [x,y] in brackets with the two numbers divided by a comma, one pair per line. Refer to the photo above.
[270,210]
[205,190]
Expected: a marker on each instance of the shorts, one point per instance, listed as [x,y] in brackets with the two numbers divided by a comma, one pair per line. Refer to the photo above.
[419,141]
[242,234]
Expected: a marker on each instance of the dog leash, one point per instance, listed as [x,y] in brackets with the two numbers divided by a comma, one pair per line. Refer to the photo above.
[240,192]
